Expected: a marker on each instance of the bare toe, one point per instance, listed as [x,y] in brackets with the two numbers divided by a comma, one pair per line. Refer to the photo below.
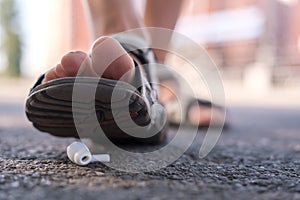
[110,59]
[72,64]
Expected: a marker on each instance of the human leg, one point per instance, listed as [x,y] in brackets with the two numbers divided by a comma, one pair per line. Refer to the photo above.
[159,14]
[108,59]
[162,14]
[113,16]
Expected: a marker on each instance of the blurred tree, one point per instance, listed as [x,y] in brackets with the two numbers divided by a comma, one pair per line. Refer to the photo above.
[10,39]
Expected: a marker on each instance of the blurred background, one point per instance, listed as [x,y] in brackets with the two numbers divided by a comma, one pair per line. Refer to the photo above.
[255,43]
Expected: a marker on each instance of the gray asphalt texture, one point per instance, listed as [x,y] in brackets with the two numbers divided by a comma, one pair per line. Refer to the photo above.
[257,157]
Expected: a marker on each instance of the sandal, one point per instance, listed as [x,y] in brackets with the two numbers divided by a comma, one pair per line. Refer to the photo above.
[178,116]
[49,105]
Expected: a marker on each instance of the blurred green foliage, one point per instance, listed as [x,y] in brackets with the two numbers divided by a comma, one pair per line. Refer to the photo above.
[10,37]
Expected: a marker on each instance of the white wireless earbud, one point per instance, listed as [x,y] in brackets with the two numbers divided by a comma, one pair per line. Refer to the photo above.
[79,153]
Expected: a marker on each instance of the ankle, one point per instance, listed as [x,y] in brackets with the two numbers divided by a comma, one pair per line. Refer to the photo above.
[115,24]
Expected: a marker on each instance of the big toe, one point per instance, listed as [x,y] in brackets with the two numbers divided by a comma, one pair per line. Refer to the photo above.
[110,59]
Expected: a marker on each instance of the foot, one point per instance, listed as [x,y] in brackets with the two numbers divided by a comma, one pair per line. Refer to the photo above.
[197,114]
[201,115]
[108,60]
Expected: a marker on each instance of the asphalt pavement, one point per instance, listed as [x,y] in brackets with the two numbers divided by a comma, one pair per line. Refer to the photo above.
[257,157]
